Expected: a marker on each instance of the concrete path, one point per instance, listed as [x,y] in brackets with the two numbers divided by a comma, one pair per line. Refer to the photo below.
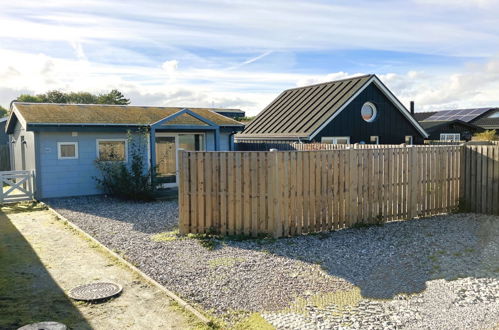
[41,259]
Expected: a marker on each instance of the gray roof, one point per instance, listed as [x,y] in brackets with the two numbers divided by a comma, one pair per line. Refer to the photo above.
[299,113]
[423,115]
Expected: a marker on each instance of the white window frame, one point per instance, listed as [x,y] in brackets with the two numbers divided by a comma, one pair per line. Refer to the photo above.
[334,139]
[444,136]
[375,112]
[375,138]
[411,140]
[59,155]
[112,140]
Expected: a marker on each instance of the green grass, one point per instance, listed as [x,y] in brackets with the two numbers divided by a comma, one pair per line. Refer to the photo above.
[166,236]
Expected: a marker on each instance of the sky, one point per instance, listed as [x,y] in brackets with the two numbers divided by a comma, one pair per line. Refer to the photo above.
[443,54]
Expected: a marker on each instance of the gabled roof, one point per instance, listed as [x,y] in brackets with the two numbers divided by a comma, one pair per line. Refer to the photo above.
[117,115]
[300,113]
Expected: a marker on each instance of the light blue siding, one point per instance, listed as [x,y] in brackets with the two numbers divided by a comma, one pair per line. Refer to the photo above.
[73,177]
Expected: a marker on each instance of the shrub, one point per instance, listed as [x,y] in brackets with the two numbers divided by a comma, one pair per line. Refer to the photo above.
[488,135]
[127,181]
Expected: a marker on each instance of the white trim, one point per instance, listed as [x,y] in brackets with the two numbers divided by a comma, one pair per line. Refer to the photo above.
[375,112]
[387,93]
[97,141]
[59,144]
[334,139]
[443,136]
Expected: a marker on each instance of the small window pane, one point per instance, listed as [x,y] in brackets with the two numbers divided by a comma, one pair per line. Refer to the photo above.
[342,141]
[112,150]
[368,112]
[68,150]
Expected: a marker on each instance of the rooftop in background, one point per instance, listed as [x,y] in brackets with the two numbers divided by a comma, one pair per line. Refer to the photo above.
[420,116]
[230,113]
[466,115]
[99,114]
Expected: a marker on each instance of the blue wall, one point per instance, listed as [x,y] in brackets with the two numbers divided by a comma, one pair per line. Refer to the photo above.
[72,177]
[75,177]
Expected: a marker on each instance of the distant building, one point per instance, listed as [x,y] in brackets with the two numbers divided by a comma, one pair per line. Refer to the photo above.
[230,113]
[355,110]
[459,124]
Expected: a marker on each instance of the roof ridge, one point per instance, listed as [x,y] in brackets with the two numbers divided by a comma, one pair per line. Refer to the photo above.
[490,108]
[122,105]
[332,81]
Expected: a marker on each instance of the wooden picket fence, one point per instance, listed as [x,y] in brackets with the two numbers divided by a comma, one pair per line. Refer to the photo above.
[287,193]
[480,182]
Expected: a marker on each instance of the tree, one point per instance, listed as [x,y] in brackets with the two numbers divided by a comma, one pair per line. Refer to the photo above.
[55,96]
[113,97]
[3,112]
[82,98]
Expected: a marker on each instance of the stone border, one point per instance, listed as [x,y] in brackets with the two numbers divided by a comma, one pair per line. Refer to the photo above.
[134,269]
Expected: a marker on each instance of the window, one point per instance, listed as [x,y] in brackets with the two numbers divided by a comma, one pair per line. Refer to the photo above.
[191,142]
[112,150]
[368,112]
[494,115]
[336,139]
[408,139]
[450,137]
[67,150]
[375,139]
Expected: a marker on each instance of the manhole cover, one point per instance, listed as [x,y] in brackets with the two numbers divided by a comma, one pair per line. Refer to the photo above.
[95,291]
[44,326]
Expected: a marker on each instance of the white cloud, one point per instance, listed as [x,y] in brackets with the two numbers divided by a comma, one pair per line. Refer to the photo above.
[168,53]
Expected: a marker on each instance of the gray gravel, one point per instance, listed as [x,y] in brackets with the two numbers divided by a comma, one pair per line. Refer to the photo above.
[435,273]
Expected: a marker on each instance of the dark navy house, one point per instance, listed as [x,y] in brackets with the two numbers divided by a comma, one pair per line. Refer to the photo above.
[355,110]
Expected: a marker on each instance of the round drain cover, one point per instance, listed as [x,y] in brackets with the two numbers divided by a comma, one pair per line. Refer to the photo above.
[44,326]
[95,291]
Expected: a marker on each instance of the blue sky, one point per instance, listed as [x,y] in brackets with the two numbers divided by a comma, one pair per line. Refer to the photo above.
[440,53]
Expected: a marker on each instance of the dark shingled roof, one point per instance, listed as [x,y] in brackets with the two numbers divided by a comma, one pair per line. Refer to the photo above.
[419,116]
[298,112]
[54,113]
[487,122]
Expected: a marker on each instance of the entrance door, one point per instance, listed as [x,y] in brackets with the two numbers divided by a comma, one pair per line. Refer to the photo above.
[166,160]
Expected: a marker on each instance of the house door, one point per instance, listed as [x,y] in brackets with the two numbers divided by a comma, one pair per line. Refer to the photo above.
[166,160]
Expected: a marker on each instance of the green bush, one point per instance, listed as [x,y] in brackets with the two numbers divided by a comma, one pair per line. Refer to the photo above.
[488,135]
[129,181]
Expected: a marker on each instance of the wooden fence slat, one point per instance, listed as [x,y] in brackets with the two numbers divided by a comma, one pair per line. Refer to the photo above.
[292,192]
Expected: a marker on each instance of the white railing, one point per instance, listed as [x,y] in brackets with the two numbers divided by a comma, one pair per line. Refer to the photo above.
[16,186]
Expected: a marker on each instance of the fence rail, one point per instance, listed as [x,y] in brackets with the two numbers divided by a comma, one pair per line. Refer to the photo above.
[293,192]
[4,158]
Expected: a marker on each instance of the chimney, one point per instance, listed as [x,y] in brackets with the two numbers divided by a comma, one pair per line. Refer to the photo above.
[412,108]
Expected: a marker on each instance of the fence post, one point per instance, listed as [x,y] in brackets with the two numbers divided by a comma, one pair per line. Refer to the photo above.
[183,205]
[413,181]
[276,204]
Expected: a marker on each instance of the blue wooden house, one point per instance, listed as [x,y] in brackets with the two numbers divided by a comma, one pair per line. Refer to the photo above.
[61,142]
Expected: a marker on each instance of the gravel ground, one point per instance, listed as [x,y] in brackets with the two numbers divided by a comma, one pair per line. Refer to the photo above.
[439,273]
